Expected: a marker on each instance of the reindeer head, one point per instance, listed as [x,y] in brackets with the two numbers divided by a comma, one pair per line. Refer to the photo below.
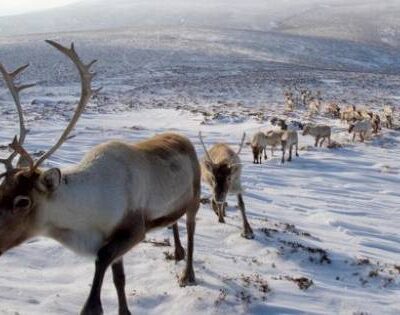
[306,129]
[24,187]
[221,177]
[221,174]
[282,124]
[20,193]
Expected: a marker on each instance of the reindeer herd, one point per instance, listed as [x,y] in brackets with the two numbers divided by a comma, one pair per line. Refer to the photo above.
[104,205]
[361,122]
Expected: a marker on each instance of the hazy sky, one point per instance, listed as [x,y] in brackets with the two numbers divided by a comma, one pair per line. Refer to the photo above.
[11,7]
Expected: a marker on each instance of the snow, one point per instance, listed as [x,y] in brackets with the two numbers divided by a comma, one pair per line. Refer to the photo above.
[341,201]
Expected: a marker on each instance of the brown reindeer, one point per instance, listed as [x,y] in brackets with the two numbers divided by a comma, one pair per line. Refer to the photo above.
[221,170]
[104,205]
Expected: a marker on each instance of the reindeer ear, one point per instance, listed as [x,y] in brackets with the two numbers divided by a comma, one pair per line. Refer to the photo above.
[234,167]
[208,164]
[22,204]
[50,180]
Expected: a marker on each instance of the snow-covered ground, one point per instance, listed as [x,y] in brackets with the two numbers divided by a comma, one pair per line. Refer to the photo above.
[330,216]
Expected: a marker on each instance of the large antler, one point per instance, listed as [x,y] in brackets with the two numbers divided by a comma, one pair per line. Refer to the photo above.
[204,147]
[14,89]
[86,93]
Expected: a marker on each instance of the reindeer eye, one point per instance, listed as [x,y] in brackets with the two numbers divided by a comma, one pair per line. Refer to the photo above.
[22,202]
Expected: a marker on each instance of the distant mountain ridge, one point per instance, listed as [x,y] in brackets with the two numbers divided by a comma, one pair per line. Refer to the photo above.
[367,21]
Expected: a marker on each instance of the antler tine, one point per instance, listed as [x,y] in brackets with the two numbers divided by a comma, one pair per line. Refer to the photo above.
[18,71]
[204,147]
[241,143]
[24,86]
[91,63]
[14,90]
[86,92]
[18,148]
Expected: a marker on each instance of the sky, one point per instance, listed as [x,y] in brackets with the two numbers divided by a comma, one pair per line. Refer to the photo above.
[12,7]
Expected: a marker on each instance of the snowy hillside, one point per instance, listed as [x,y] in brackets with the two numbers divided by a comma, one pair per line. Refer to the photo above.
[328,220]
[373,21]
[103,14]
[186,66]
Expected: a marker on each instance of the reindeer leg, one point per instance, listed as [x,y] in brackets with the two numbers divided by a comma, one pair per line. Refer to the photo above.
[130,232]
[214,206]
[247,231]
[316,141]
[224,209]
[179,251]
[221,213]
[255,158]
[297,149]
[265,154]
[119,282]
[188,277]
[290,153]
[322,141]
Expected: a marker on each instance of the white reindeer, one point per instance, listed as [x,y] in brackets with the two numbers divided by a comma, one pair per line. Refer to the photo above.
[318,132]
[106,204]
[388,113]
[289,140]
[363,128]
[258,144]
[289,101]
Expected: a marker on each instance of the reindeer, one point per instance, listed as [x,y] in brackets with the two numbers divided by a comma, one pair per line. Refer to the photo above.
[305,97]
[333,110]
[388,113]
[258,144]
[289,101]
[318,132]
[104,205]
[289,139]
[221,170]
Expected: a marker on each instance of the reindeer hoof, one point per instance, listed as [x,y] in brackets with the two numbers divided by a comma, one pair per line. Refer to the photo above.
[221,220]
[124,312]
[90,309]
[247,235]
[187,279]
